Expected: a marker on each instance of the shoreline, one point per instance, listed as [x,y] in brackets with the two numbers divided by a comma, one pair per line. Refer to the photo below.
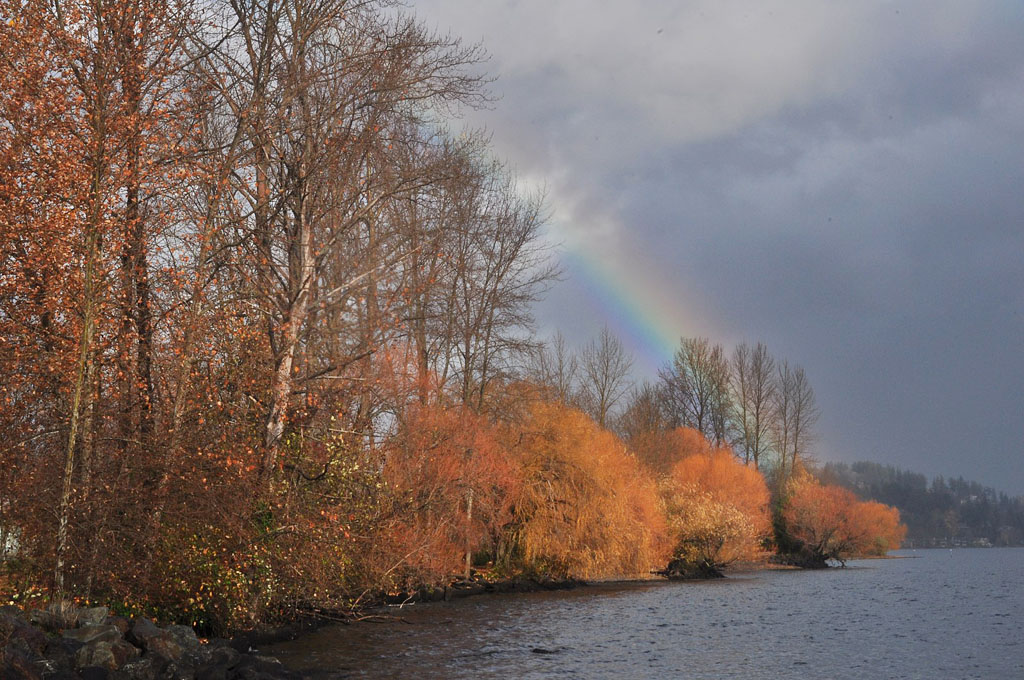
[244,647]
[458,590]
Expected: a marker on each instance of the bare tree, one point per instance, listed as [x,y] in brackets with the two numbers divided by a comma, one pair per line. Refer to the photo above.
[795,416]
[321,85]
[804,417]
[605,375]
[644,414]
[753,387]
[697,388]
[554,366]
[498,266]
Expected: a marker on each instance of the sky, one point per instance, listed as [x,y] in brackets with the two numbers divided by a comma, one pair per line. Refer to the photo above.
[843,181]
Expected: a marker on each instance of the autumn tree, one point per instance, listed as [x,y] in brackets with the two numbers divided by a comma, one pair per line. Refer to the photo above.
[111,72]
[820,522]
[877,527]
[717,511]
[322,87]
[51,264]
[661,450]
[451,488]
[586,509]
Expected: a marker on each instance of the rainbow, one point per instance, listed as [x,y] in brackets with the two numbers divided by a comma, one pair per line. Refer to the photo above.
[644,310]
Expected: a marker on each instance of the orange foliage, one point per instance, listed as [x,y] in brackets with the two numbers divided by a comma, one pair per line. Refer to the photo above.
[823,522]
[586,508]
[717,509]
[661,450]
[877,528]
[450,485]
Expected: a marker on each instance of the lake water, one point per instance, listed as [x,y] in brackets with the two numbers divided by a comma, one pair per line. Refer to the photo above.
[937,614]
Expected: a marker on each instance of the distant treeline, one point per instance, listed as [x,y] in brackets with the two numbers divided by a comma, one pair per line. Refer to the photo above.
[943,513]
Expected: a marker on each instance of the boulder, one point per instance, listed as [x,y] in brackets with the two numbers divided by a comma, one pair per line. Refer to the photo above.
[60,653]
[224,655]
[15,628]
[105,654]
[683,570]
[92,615]
[121,623]
[214,672]
[95,673]
[93,633]
[185,636]
[165,648]
[15,665]
[45,619]
[146,668]
[142,631]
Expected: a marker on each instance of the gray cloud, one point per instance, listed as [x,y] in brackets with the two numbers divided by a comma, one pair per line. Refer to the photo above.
[841,180]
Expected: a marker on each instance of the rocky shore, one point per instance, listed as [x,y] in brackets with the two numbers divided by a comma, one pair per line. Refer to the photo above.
[89,644]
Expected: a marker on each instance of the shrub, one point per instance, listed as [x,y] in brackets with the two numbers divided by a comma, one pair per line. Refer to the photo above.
[717,510]
[586,508]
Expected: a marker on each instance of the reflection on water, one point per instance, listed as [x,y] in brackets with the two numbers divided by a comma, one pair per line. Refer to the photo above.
[941,614]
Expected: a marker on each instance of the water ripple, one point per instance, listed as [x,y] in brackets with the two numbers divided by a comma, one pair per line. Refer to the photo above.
[940,615]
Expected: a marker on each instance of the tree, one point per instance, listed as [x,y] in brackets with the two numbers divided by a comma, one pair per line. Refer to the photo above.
[754,388]
[796,414]
[644,415]
[604,379]
[819,523]
[877,528]
[586,508]
[498,267]
[555,368]
[697,388]
[815,525]
[321,86]
[717,510]
[662,450]
[451,487]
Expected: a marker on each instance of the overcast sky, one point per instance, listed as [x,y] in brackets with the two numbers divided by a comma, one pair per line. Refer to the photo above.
[841,180]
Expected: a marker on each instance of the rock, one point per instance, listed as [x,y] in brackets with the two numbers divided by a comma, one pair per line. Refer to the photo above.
[62,675]
[16,665]
[46,620]
[13,627]
[185,636]
[109,655]
[215,672]
[164,648]
[121,623]
[681,570]
[224,656]
[93,615]
[143,669]
[94,673]
[178,671]
[93,633]
[61,651]
[142,631]
[260,668]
